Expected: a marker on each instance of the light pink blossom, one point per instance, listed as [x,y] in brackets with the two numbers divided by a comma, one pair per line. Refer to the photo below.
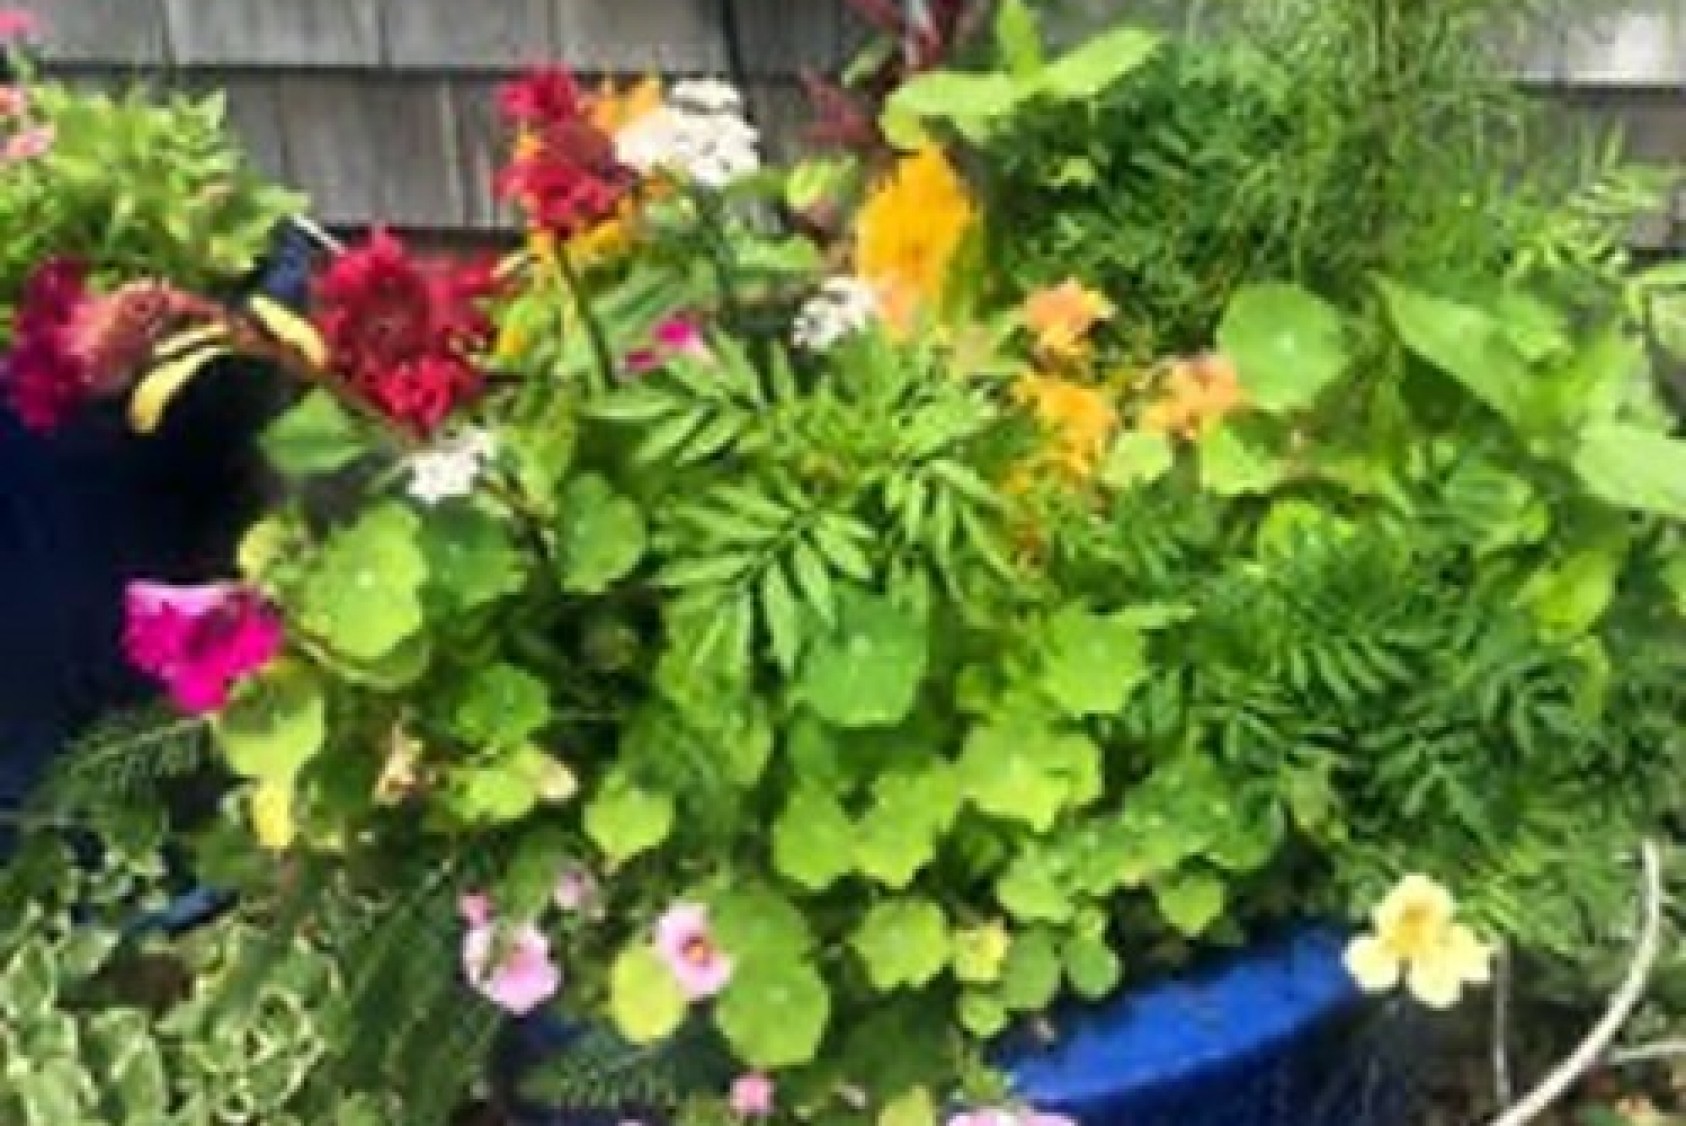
[523,976]
[199,641]
[686,944]
[576,889]
[15,23]
[14,102]
[29,144]
[1001,1116]
[752,1095]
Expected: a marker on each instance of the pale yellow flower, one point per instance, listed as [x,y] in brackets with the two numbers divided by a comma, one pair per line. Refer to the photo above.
[1417,940]
[272,814]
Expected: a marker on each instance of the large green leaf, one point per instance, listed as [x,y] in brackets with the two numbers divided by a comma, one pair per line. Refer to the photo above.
[1634,468]
[1191,900]
[276,723]
[499,705]
[625,819]
[1030,978]
[1233,464]
[866,672]
[645,999]
[1092,967]
[1287,344]
[601,535]
[315,436]
[471,560]
[1137,458]
[1018,768]
[774,1013]
[1033,889]
[363,594]
[754,923]
[902,942]
[1092,662]
[813,840]
[1466,343]
[1100,63]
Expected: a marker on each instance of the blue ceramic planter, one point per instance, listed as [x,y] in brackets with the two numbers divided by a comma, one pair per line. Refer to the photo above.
[1270,1036]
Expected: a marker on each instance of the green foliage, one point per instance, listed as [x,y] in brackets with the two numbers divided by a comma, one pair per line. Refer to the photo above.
[138,188]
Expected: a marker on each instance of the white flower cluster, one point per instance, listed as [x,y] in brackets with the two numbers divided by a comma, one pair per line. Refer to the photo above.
[700,133]
[450,469]
[842,307]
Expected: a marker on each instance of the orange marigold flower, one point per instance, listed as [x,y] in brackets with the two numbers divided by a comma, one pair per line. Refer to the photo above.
[910,230]
[1199,393]
[1062,316]
[1080,421]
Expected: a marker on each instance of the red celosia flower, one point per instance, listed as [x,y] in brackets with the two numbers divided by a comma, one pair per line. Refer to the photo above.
[564,173]
[45,380]
[403,333]
[541,98]
[199,641]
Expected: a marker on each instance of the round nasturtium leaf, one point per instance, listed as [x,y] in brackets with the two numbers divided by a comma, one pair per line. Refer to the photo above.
[625,819]
[774,1013]
[645,999]
[866,672]
[903,942]
[1286,343]
[363,594]
[813,840]
[275,724]
[601,535]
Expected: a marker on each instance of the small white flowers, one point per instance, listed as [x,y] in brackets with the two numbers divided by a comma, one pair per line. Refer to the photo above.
[842,307]
[1418,941]
[450,469]
[700,134]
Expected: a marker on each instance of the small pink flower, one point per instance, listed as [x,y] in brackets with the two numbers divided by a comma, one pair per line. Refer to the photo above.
[576,889]
[475,908]
[14,102]
[752,1095]
[523,979]
[15,23]
[676,336]
[684,941]
[199,641]
[28,144]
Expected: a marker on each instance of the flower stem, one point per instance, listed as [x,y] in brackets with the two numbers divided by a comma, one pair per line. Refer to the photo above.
[570,279]
[720,257]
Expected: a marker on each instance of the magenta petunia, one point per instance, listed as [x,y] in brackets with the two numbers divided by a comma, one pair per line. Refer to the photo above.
[677,336]
[753,1095]
[16,23]
[43,378]
[512,969]
[199,641]
[686,944]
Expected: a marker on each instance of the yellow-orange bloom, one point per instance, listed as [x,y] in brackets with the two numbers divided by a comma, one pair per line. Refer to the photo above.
[1198,394]
[1080,421]
[1062,316]
[910,230]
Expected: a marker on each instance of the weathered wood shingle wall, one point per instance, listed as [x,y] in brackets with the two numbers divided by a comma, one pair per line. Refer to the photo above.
[381,109]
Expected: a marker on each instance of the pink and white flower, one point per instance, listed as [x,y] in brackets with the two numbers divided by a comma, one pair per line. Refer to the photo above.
[28,144]
[752,1095]
[14,102]
[199,641]
[686,943]
[677,337]
[576,889]
[511,967]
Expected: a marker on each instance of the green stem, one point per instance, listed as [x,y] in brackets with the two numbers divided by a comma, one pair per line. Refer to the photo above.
[569,279]
[720,257]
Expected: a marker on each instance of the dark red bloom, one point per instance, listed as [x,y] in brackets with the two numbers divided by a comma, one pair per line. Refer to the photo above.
[564,173]
[45,380]
[541,98]
[404,333]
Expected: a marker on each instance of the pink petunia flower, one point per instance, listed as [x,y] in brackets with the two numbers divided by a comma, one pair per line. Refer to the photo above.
[15,24]
[28,144]
[475,908]
[685,943]
[1000,1116]
[752,1095]
[523,977]
[14,102]
[677,336]
[199,641]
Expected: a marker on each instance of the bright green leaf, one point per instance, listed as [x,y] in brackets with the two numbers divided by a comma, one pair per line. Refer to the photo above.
[1466,343]
[625,819]
[813,840]
[1092,662]
[645,999]
[1092,967]
[315,436]
[902,942]
[1032,889]
[756,924]
[1137,458]
[867,671]
[601,535]
[1030,979]
[1191,901]
[1088,71]
[276,723]
[1017,38]
[774,1013]
[1233,466]
[1019,769]
[471,560]
[363,594]
[1287,344]
[499,705]
[1634,468]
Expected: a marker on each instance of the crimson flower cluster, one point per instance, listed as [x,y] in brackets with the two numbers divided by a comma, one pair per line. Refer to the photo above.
[404,334]
[564,173]
[45,379]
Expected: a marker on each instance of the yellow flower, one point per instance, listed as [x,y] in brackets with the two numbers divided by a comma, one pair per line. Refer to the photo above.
[272,814]
[908,233]
[1080,421]
[1061,317]
[1417,940]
